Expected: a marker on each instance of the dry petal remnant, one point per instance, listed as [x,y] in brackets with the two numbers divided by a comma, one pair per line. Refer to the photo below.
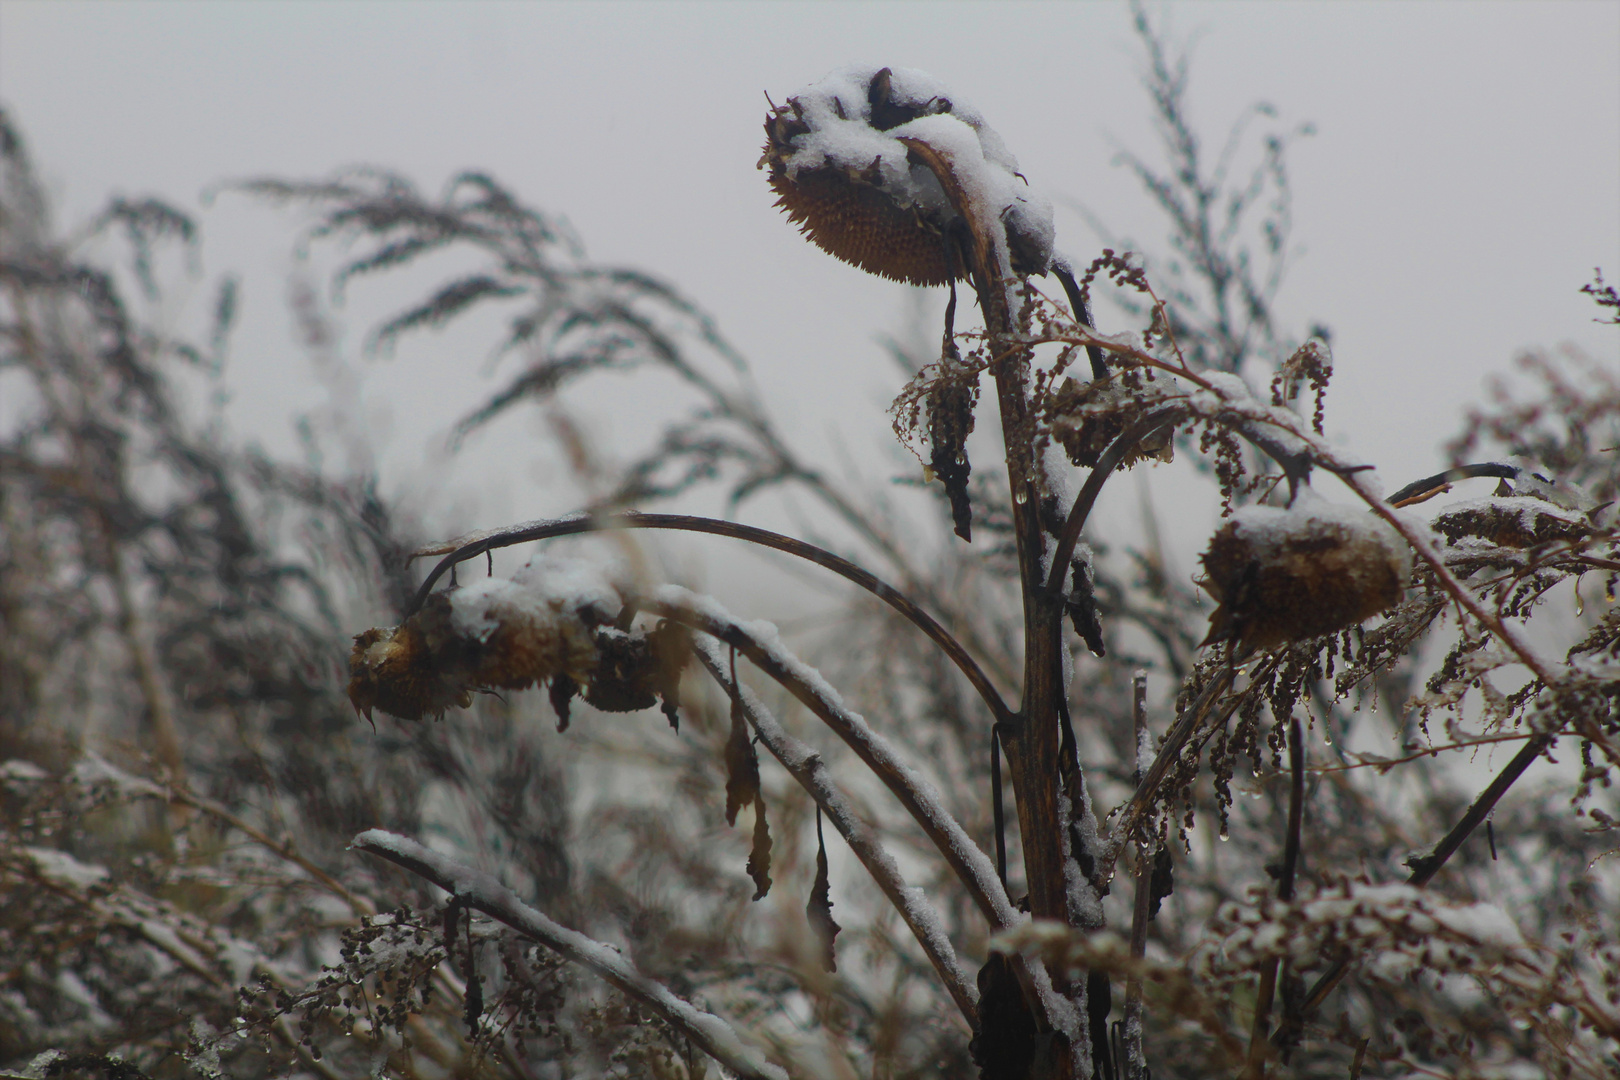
[840,165]
[1287,575]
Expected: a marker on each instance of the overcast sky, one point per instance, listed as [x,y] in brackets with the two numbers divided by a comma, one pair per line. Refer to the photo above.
[1463,181]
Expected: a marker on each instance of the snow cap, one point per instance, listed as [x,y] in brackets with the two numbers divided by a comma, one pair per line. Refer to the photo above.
[1283,575]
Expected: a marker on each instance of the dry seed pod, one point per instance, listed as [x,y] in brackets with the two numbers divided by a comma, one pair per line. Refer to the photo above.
[1287,575]
[392,669]
[840,169]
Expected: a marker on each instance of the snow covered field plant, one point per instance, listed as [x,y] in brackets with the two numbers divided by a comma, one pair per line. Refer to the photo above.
[888,170]
[1359,821]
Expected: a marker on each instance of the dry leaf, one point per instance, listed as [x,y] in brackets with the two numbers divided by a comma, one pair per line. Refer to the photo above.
[819,909]
[742,763]
[759,858]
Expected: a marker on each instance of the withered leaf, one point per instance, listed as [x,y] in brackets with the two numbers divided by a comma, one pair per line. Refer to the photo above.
[1163,881]
[742,763]
[1008,1042]
[759,858]
[819,910]
[562,691]
[1082,607]
[672,645]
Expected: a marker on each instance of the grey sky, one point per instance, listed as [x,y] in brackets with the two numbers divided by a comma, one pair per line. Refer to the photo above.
[1463,182]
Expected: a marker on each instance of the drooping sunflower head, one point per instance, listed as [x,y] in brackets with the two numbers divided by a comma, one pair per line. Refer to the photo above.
[840,158]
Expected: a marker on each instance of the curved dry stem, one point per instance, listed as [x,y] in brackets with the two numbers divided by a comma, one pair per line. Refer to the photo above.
[919,797]
[473,546]
[1107,462]
[812,774]
[479,890]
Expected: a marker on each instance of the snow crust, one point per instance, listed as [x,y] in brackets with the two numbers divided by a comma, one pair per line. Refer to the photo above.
[542,592]
[1270,529]
[63,869]
[18,769]
[1396,928]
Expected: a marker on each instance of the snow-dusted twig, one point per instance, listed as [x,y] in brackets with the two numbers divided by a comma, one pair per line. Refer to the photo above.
[758,641]
[479,890]
[806,766]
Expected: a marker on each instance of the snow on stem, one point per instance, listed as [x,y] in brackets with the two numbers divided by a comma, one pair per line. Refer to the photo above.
[759,642]
[807,767]
[479,890]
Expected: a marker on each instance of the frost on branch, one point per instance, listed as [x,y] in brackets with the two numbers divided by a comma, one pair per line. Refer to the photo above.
[1282,575]
[552,620]
[840,164]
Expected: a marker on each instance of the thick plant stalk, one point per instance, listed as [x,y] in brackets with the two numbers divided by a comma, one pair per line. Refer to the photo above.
[812,774]
[1032,740]
[479,890]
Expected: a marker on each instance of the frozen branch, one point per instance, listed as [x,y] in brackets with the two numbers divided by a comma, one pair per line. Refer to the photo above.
[758,641]
[479,890]
[812,774]
[471,547]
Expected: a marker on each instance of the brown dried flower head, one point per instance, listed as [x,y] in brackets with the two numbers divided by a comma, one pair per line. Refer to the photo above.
[840,165]
[1288,575]
[493,634]
[1515,521]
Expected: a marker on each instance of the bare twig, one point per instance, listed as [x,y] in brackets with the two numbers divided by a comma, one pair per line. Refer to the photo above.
[1259,1047]
[1107,462]
[1169,751]
[1135,1063]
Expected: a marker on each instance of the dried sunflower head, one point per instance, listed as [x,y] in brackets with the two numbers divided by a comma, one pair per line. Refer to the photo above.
[1517,521]
[492,634]
[1287,575]
[838,159]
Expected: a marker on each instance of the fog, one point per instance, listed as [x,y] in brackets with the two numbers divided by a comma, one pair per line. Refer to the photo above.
[1458,189]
